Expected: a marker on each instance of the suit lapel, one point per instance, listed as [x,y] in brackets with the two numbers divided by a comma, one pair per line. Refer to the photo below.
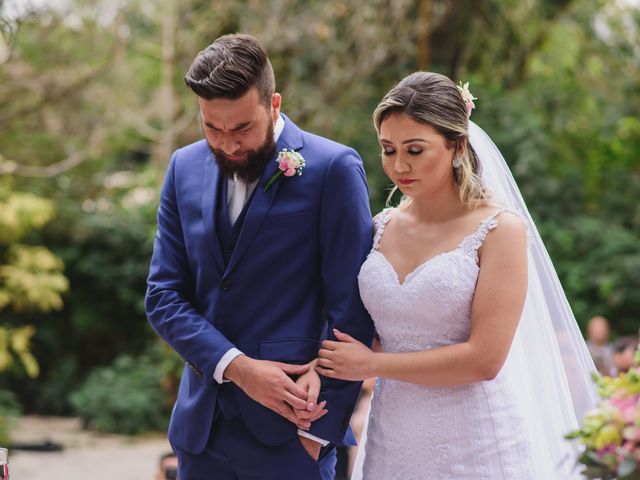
[210,185]
[290,138]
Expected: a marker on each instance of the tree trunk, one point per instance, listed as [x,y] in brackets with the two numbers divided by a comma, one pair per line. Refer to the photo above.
[424,30]
[167,108]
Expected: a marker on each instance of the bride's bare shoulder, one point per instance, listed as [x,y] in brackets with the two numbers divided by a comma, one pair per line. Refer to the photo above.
[504,214]
[508,233]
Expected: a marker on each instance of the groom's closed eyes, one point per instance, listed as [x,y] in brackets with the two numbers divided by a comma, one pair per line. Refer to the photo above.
[243,127]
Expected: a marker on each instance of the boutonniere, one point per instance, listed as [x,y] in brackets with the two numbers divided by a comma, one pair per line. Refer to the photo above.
[290,163]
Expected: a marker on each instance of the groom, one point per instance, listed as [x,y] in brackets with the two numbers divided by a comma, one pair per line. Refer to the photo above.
[262,228]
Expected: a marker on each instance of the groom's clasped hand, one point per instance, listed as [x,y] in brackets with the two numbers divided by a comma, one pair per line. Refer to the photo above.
[310,383]
[268,383]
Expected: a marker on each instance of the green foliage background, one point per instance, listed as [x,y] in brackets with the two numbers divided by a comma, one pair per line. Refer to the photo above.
[92,103]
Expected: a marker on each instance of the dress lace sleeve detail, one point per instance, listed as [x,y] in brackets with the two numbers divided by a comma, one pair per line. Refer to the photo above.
[473,242]
[381,221]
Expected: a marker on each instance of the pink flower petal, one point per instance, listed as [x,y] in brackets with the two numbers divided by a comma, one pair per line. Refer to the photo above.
[470,106]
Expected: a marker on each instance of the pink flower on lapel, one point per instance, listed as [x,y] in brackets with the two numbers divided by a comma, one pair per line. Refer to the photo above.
[290,163]
[287,163]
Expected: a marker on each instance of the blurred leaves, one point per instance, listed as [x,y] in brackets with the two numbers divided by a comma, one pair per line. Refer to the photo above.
[21,213]
[130,395]
[31,277]
[9,414]
[17,342]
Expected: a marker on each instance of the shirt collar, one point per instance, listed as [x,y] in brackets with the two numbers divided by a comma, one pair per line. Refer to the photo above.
[277,130]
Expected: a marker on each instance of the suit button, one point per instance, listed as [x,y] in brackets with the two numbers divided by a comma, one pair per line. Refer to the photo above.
[226,285]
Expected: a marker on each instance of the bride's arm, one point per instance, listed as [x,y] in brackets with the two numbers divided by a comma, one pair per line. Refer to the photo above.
[498,302]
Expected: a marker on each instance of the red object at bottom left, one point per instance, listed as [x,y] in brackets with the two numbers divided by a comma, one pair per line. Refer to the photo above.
[4,464]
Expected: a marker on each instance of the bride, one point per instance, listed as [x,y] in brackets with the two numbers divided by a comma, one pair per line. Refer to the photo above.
[483,368]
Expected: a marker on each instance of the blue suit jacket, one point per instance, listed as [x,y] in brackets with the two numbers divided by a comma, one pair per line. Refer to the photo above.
[292,274]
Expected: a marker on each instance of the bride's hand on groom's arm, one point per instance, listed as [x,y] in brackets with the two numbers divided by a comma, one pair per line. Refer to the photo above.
[268,383]
[346,359]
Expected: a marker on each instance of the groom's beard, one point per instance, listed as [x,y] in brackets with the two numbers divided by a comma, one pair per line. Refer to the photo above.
[252,167]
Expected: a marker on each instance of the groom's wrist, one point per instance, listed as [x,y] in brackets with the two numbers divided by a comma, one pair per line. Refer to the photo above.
[236,369]
[223,363]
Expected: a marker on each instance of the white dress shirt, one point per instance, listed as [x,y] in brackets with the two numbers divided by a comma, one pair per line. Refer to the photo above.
[238,192]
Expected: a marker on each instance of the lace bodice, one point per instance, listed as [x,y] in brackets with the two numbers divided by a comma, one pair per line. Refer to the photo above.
[445,283]
[470,431]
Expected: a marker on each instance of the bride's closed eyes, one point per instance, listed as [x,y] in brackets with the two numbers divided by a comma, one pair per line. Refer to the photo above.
[387,151]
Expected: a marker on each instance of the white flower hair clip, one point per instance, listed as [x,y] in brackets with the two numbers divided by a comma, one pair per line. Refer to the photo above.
[467,96]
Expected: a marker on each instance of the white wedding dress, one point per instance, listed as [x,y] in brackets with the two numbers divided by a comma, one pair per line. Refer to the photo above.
[474,431]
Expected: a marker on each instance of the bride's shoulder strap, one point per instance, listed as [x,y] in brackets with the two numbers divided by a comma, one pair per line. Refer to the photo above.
[473,242]
[379,222]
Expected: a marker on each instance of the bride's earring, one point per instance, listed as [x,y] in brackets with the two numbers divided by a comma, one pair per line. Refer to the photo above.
[457,161]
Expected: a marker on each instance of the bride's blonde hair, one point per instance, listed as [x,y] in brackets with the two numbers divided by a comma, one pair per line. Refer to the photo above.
[434,100]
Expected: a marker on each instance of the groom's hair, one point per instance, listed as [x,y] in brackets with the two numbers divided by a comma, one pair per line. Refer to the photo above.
[230,67]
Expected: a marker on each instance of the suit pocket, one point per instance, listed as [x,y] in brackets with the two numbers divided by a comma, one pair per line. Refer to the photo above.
[287,220]
[289,350]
